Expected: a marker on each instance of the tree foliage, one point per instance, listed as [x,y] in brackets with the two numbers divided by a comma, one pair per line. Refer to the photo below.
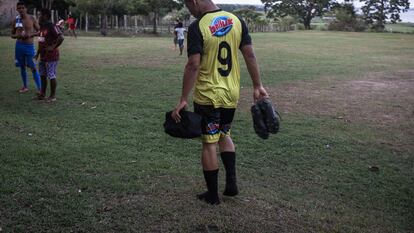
[376,12]
[158,8]
[346,18]
[305,10]
[250,16]
[59,5]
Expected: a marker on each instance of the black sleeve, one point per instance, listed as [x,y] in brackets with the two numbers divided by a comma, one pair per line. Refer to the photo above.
[245,39]
[194,39]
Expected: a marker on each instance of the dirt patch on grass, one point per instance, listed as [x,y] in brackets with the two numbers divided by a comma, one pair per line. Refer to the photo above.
[383,100]
[143,62]
[181,211]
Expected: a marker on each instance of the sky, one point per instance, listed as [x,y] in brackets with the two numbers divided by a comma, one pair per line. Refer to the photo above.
[258,2]
[406,17]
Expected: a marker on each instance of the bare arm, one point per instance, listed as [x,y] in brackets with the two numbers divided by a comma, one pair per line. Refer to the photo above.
[13,30]
[59,40]
[191,71]
[253,68]
[56,44]
[36,28]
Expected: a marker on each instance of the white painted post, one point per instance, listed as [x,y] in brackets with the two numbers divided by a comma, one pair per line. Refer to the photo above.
[136,24]
[125,22]
[86,22]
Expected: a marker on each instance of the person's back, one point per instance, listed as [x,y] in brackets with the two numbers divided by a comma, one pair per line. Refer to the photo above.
[218,82]
[213,68]
[179,32]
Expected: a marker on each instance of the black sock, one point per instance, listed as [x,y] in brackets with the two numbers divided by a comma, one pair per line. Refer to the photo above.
[229,161]
[211,196]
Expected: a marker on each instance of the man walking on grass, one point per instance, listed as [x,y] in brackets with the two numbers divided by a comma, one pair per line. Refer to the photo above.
[213,68]
[51,37]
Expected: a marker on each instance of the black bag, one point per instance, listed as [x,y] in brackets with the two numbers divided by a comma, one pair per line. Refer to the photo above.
[188,127]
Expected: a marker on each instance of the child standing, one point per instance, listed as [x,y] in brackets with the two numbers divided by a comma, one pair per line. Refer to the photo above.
[50,39]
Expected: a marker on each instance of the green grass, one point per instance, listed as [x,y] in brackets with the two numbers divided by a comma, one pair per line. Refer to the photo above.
[98,160]
[400,27]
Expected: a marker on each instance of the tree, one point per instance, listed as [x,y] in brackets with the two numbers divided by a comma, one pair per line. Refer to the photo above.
[376,11]
[60,5]
[345,18]
[305,10]
[98,7]
[249,15]
[155,7]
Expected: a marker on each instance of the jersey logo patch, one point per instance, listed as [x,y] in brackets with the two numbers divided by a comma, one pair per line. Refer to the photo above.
[221,25]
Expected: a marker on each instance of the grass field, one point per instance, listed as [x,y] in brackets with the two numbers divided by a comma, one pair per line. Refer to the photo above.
[400,27]
[97,160]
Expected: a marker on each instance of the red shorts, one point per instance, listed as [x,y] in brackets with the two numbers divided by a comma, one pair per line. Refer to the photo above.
[72,27]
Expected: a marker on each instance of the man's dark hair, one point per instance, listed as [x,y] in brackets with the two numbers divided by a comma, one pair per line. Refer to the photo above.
[20,3]
[180,25]
[46,12]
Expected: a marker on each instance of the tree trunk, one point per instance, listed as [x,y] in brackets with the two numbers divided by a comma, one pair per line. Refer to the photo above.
[116,21]
[380,22]
[86,22]
[47,4]
[104,24]
[155,23]
[307,23]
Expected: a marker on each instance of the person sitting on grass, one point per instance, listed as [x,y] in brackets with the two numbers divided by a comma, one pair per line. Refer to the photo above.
[51,37]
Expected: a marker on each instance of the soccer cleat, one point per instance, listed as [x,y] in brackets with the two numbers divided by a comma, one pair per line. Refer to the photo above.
[271,117]
[259,122]
[209,198]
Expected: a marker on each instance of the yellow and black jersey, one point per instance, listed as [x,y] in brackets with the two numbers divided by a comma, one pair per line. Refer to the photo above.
[217,36]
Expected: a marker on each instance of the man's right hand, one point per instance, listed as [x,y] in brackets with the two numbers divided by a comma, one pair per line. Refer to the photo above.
[259,93]
[176,113]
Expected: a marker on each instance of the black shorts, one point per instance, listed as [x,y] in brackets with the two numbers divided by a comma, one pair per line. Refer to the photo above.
[215,123]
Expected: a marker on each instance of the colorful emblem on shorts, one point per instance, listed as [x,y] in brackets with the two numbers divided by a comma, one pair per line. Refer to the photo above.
[221,25]
[212,128]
